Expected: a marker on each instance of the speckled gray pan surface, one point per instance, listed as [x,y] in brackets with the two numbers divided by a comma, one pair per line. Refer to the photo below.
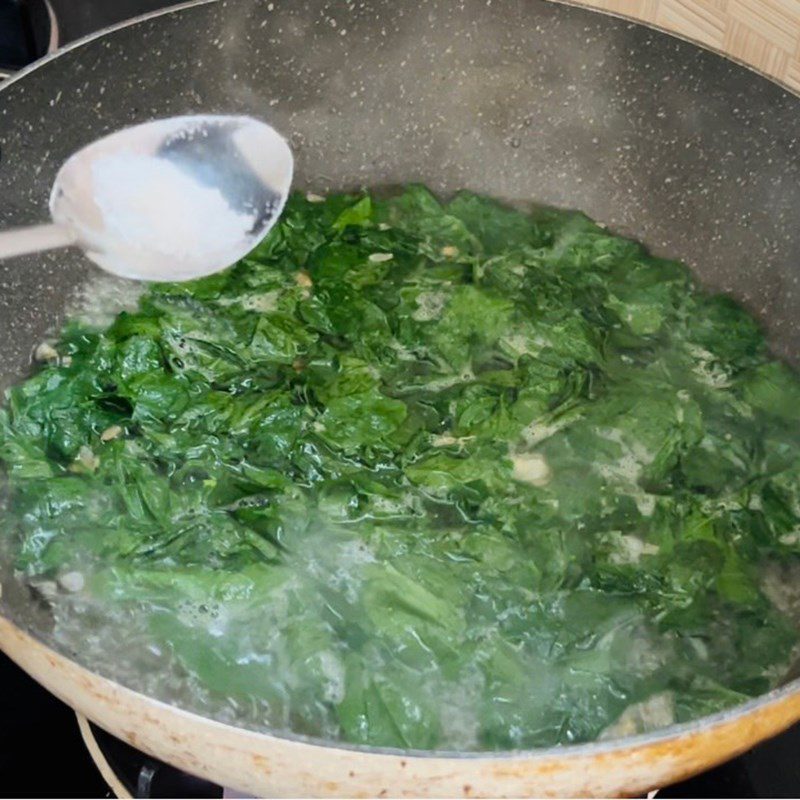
[519,99]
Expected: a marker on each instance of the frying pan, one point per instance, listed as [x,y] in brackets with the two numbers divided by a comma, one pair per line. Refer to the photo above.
[519,99]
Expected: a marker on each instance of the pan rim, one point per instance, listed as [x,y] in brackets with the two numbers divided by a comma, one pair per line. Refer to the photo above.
[659,736]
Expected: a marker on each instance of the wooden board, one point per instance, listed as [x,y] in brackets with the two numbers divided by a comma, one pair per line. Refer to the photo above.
[764,34]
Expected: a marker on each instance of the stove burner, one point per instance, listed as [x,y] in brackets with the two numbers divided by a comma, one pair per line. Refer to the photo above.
[130,773]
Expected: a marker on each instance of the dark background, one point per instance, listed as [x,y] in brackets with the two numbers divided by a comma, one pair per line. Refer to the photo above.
[79,17]
[41,750]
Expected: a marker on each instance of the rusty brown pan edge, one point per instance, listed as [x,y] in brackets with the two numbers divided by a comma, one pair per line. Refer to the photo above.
[290,766]
[285,765]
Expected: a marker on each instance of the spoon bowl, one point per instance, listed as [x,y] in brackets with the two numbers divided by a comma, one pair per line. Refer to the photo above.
[169,200]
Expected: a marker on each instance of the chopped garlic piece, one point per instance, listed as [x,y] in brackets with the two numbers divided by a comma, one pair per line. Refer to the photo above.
[303,279]
[658,711]
[377,258]
[445,440]
[314,198]
[449,251]
[86,460]
[45,352]
[110,433]
[71,581]
[629,549]
[531,468]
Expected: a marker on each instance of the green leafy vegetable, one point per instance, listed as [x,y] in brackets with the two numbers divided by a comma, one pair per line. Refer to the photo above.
[425,474]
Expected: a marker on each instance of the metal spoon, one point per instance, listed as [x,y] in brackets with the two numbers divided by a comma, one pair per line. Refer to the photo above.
[173,199]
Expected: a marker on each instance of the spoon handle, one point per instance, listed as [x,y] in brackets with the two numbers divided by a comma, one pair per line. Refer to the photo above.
[33,239]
